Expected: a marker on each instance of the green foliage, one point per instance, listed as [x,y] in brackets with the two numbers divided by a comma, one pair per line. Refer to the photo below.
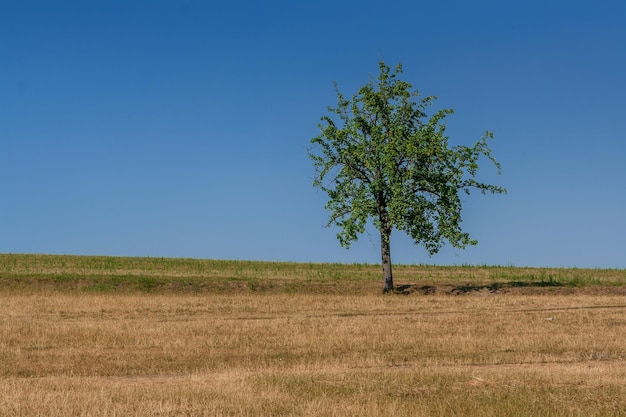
[380,157]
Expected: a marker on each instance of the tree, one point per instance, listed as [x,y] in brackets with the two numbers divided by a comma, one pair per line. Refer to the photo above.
[380,157]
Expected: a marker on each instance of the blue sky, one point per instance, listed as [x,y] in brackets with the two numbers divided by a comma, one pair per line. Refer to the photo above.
[180,128]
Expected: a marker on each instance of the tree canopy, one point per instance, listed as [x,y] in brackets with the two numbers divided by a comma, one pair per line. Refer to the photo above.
[379,156]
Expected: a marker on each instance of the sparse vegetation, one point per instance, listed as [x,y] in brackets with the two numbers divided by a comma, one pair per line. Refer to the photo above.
[94,336]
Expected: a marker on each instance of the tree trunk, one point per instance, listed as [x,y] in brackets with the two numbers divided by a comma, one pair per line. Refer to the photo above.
[385,249]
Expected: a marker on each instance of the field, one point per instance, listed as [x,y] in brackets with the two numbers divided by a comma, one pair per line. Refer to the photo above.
[98,336]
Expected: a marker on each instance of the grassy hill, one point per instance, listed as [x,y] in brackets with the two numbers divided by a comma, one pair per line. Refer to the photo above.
[105,274]
[102,336]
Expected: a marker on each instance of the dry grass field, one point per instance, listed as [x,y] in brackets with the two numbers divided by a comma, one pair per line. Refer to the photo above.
[85,336]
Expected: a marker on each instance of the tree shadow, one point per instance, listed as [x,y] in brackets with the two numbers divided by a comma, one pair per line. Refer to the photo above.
[499,286]
[495,287]
[407,289]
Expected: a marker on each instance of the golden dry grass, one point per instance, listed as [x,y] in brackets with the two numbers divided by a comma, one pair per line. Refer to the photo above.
[277,354]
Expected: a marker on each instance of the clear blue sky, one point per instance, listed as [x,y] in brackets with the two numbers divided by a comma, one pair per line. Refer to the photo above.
[180,128]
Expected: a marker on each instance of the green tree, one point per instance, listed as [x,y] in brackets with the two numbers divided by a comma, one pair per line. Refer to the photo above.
[380,157]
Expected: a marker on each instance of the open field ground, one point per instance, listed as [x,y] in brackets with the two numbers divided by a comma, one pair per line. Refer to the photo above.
[86,336]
